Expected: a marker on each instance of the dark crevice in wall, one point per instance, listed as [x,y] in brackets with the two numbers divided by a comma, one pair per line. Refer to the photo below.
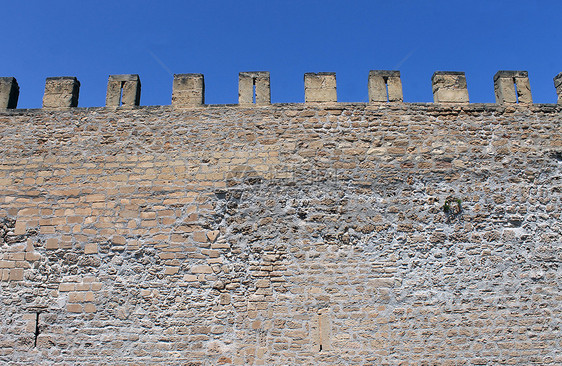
[36,329]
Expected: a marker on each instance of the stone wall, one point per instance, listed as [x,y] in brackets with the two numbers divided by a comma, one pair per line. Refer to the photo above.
[364,234]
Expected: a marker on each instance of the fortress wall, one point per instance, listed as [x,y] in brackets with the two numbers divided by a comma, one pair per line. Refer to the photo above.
[281,235]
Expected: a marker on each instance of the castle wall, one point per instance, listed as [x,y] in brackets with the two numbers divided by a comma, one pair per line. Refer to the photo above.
[372,234]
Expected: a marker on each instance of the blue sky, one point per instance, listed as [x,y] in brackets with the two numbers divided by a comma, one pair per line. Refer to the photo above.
[155,39]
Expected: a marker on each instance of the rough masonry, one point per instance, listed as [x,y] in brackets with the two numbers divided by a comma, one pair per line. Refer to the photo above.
[323,233]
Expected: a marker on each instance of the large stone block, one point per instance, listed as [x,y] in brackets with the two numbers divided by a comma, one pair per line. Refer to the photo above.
[188,90]
[449,87]
[61,92]
[558,86]
[320,87]
[9,92]
[385,86]
[123,91]
[512,87]
[254,87]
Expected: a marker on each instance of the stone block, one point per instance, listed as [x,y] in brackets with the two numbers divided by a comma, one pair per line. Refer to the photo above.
[188,90]
[123,91]
[254,88]
[558,86]
[449,87]
[9,92]
[90,248]
[512,87]
[61,92]
[16,274]
[320,87]
[385,86]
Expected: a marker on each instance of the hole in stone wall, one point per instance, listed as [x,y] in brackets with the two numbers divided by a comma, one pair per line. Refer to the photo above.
[516,93]
[121,94]
[36,328]
[254,91]
[386,86]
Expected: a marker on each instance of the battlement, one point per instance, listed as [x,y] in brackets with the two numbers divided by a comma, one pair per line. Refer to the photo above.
[188,91]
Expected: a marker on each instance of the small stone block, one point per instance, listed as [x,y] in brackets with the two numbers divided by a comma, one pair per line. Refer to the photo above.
[52,243]
[449,87]
[199,237]
[16,274]
[65,287]
[123,91]
[188,90]
[9,92]
[74,308]
[320,87]
[61,92]
[32,256]
[76,296]
[201,269]
[255,81]
[89,308]
[171,270]
[190,278]
[90,248]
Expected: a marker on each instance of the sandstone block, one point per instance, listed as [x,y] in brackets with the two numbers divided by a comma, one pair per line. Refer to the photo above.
[449,87]
[123,91]
[89,308]
[9,92]
[320,87]
[188,90]
[254,88]
[61,92]
[385,86]
[64,287]
[90,248]
[74,308]
[52,243]
[512,87]
[16,274]
[198,269]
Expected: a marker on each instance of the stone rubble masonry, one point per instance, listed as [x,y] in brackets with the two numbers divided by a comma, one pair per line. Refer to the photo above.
[385,86]
[61,92]
[188,90]
[254,86]
[292,234]
[320,87]
[558,86]
[123,91]
[512,87]
[449,87]
[9,92]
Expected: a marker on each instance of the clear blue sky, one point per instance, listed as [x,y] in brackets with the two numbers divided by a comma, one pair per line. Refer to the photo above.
[155,39]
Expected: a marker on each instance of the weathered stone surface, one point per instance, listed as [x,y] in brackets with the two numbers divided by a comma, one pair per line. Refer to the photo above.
[320,87]
[123,91]
[9,92]
[385,86]
[297,234]
[188,90]
[449,87]
[254,88]
[61,92]
[512,87]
